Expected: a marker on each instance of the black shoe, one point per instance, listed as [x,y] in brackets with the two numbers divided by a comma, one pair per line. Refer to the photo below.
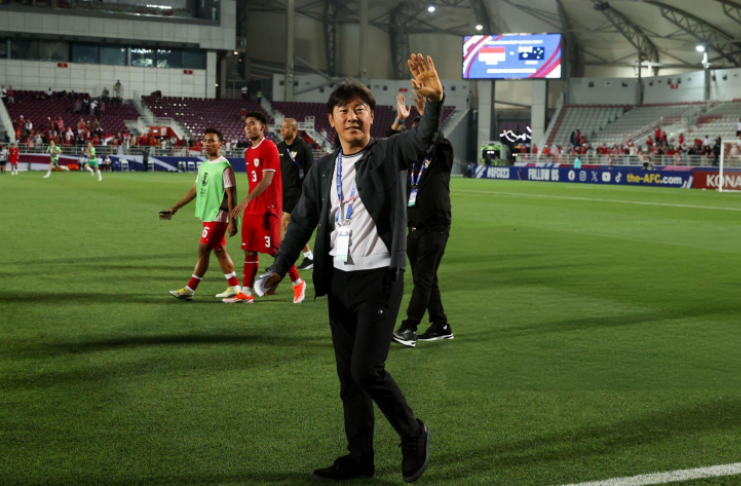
[437,332]
[415,454]
[406,336]
[343,469]
[306,264]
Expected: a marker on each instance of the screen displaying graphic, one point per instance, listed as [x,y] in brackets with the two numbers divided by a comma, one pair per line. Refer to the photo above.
[512,56]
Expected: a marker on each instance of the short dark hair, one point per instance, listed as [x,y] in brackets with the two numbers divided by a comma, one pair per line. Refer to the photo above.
[215,132]
[348,90]
[257,115]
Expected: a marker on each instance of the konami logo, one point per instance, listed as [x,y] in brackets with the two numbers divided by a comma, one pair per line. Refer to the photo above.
[711,180]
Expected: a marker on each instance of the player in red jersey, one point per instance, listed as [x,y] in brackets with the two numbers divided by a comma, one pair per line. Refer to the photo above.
[262,209]
[14,154]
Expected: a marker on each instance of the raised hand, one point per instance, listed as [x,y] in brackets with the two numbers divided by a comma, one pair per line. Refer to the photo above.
[419,101]
[402,110]
[426,81]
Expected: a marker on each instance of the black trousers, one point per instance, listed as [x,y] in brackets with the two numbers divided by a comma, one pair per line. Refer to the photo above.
[363,306]
[425,249]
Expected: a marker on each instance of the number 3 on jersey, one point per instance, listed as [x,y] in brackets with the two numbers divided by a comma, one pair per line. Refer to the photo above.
[254,175]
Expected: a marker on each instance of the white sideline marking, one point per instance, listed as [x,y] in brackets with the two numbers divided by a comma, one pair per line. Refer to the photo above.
[669,477]
[575,198]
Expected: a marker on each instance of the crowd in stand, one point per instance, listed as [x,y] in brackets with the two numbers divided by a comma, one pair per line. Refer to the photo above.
[656,145]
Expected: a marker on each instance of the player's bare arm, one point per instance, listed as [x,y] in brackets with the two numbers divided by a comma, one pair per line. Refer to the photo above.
[189,196]
[231,202]
[267,179]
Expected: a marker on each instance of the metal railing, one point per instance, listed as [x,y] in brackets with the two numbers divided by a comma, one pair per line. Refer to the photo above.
[121,150]
[678,160]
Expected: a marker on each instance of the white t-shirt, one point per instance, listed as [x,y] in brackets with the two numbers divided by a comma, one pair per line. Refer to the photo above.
[706,143]
[367,249]
[738,126]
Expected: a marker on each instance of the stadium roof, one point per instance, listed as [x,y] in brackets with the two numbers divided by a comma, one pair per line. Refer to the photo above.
[605,33]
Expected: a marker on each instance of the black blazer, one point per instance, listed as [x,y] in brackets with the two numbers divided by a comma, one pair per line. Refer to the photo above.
[381,182]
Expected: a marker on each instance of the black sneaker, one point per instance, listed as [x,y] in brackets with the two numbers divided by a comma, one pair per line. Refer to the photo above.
[306,264]
[437,332]
[406,336]
[343,469]
[415,454]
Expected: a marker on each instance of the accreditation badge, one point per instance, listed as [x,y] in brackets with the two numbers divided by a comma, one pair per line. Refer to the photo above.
[343,244]
[412,198]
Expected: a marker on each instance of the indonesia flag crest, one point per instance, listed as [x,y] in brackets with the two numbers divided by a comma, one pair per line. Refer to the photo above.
[492,54]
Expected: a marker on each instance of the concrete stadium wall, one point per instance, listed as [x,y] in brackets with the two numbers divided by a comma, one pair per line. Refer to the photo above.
[221,37]
[385,90]
[92,78]
[682,87]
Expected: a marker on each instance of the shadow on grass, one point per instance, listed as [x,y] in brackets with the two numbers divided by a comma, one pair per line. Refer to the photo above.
[247,478]
[593,323]
[260,351]
[100,259]
[609,441]
[163,298]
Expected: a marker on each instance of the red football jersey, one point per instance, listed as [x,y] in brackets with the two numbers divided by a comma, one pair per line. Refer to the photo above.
[14,153]
[261,159]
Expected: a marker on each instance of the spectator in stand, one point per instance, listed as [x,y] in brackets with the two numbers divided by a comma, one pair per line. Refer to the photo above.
[534,150]
[657,134]
[243,114]
[101,108]
[29,126]
[573,139]
[93,106]
[49,93]
[86,105]
[11,95]
[716,151]
[72,94]
[77,106]
[738,128]
[649,142]
[681,139]
[117,90]
[706,143]
[69,136]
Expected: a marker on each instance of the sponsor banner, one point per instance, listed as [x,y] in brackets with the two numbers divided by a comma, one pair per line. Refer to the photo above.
[167,164]
[630,176]
[710,179]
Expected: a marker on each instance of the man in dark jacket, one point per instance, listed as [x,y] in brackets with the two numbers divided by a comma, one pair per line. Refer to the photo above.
[356,200]
[428,218]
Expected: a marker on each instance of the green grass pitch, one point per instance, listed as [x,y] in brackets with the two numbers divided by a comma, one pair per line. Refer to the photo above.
[598,335]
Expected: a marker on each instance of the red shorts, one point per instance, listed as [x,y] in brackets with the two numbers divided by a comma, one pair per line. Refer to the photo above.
[261,234]
[214,234]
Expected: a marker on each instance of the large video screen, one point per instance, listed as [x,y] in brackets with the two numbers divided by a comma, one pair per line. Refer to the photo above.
[512,56]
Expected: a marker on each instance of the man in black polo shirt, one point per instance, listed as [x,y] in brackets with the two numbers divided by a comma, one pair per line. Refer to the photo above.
[295,161]
[428,219]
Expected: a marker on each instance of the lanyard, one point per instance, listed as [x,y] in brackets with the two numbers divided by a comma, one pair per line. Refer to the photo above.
[291,156]
[415,183]
[339,194]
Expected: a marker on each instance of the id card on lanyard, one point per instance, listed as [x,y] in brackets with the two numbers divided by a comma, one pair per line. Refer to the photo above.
[300,169]
[415,183]
[343,234]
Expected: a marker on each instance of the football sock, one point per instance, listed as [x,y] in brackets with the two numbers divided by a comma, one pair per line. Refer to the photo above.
[250,270]
[309,255]
[48,173]
[193,282]
[231,279]
[90,169]
[293,273]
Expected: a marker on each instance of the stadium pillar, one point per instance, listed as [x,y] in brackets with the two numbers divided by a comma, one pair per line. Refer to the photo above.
[212,74]
[486,112]
[363,41]
[538,111]
[290,40]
